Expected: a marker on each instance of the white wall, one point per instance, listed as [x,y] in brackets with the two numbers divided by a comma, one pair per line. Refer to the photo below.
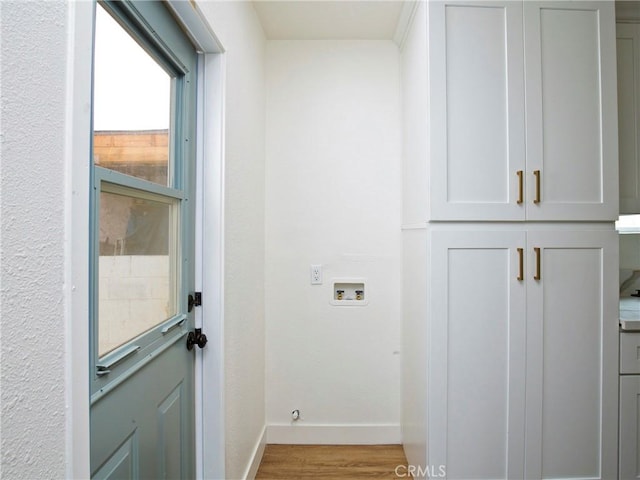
[414,303]
[32,250]
[629,261]
[239,31]
[333,198]
[630,251]
[414,107]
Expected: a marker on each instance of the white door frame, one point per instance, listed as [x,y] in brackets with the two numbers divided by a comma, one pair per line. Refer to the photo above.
[210,452]
[210,446]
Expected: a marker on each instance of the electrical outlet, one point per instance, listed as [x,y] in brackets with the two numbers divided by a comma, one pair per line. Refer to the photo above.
[316,274]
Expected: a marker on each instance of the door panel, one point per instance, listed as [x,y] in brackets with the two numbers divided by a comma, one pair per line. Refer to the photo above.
[171,425]
[571,110]
[572,356]
[477,354]
[158,429]
[569,316]
[476,104]
[123,463]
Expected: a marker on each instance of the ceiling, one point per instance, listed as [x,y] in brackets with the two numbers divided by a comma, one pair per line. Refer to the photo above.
[331,19]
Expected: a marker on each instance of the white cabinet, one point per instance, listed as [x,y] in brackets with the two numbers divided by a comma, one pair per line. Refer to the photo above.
[572,355]
[629,426]
[523,353]
[629,405]
[521,300]
[476,354]
[628,50]
[505,145]
[476,110]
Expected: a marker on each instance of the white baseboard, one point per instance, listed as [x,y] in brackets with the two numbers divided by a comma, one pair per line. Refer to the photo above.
[299,434]
[256,458]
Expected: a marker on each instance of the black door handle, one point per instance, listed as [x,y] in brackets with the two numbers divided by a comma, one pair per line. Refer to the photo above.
[196,338]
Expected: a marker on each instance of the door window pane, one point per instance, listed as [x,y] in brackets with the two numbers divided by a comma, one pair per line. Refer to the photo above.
[132,105]
[137,267]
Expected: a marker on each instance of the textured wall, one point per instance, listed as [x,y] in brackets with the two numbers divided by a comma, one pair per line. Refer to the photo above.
[333,198]
[32,354]
[237,27]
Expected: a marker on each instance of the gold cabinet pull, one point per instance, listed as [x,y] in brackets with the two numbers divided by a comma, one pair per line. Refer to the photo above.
[520,264]
[537,275]
[520,187]
[536,173]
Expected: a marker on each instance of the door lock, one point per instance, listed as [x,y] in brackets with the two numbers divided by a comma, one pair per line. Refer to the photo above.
[194,300]
[196,338]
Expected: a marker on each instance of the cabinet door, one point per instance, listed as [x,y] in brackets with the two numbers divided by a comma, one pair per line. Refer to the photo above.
[571,115]
[572,355]
[628,49]
[629,426]
[476,354]
[476,105]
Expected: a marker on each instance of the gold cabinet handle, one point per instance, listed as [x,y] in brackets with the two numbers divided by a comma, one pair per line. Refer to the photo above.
[536,173]
[537,275]
[520,187]
[520,264]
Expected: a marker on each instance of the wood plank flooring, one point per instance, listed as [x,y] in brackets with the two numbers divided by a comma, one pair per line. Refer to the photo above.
[332,462]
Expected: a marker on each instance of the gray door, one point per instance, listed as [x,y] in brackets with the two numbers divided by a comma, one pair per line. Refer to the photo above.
[143,168]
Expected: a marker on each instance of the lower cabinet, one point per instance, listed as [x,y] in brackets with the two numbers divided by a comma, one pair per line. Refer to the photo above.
[629,427]
[629,405]
[523,353]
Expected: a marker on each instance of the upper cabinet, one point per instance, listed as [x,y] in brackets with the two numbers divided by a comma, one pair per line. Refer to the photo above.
[628,47]
[476,109]
[522,118]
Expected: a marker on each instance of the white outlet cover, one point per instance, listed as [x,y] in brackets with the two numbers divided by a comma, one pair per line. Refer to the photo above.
[316,274]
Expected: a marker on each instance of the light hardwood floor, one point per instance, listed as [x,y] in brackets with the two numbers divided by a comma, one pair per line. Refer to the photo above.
[332,462]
